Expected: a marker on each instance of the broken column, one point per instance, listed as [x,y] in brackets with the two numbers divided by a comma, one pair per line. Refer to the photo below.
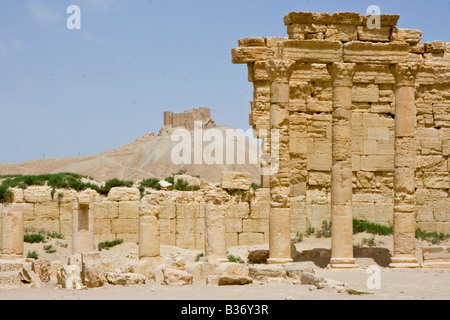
[149,241]
[215,229]
[83,223]
[405,166]
[12,233]
[341,171]
[280,180]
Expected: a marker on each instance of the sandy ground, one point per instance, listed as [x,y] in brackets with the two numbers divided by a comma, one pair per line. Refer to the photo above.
[416,284]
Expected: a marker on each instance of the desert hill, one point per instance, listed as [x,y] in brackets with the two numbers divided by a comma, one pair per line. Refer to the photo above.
[146,157]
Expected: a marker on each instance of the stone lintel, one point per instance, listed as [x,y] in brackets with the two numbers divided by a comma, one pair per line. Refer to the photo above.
[375,53]
[312,51]
[252,54]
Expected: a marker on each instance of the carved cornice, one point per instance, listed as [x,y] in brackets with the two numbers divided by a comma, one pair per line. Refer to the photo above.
[405,73]
[342,74]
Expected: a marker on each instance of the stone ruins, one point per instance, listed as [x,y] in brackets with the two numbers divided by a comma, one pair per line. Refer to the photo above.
[187,119]
[363,121]
[363,117]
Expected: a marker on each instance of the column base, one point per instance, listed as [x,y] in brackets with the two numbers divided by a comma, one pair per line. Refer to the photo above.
[404,262]
[10,256]
[342,263]
[279,260]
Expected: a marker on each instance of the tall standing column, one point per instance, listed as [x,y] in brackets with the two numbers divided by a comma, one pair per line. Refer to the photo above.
[215,229]
[341,171]
[405,166]
[12,233]
[280,181]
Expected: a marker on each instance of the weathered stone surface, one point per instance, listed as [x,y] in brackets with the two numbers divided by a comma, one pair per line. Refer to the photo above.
[176,278]
[228,280]
[201,271]
[10,280]
[236,180]
[125,279]
[258,255]
[267,272]
[436,257]
[92,272]
[42,268]
[124,194]
[69,277]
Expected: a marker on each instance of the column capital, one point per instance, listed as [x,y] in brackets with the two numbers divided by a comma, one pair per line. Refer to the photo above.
[405,73]
[342,73]
[280,70]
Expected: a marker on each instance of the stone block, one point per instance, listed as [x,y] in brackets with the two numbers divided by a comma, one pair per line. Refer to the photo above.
[439,180]
[39,194]
[128,210]
[49,211]
[124,194]
[236,180]
[124,225]
[251,238]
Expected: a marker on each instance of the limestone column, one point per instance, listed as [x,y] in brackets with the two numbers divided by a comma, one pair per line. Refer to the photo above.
[83,224]
[149,240]
[280,181]
[405,166]
[12,233]
[341,171]
[215,229]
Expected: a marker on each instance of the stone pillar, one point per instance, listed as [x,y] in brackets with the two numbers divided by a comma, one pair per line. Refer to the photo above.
[280,181]
[341,171]
[405,167]
[215,229]
[12,233]
[83,224]
[149,240]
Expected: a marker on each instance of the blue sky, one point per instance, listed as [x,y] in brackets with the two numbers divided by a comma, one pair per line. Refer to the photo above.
[69,92]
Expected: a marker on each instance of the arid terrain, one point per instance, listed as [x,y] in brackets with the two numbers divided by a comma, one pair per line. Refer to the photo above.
[409,284]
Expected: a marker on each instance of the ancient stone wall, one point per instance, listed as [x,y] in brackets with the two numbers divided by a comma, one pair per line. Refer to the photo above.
[314,42]
[187,118]
[181,215]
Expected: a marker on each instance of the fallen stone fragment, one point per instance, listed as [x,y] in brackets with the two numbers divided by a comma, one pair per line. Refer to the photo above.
[176,278]
[227,280]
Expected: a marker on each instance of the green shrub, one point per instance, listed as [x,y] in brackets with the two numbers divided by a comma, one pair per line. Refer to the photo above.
[369,241]
[200,255]
[255,186]
[360,226]
[310,231]
[32,255]
[114,183]
[232,258]
[434,237]
[299,237]
[326,230]
[55,235]
[109,244]
[152,183]
[6,195]
[34,237]
[49,249]
[63,180]
[182,185]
